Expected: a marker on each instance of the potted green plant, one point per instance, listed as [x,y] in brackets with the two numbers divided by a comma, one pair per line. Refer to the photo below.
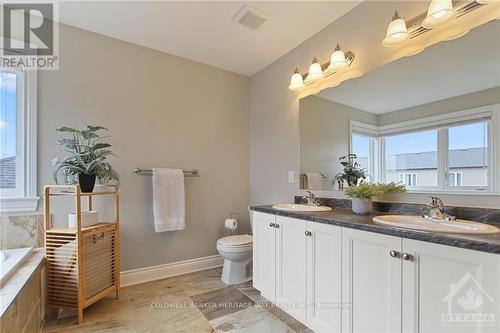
[352,172]
[87,157]
[363,194]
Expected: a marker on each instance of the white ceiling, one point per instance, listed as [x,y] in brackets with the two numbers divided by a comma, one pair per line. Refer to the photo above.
[448,69]
[203,31]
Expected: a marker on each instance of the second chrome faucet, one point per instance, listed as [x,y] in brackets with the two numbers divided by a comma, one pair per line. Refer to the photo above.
[435,211]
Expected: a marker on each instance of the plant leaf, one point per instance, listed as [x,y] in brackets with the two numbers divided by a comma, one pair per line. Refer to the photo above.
[96,128]
[67,129]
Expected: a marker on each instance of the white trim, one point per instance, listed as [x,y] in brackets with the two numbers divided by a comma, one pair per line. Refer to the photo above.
[18,205]
[24,197]
[152,273]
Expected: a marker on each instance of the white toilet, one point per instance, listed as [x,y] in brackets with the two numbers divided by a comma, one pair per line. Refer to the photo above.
[237,253]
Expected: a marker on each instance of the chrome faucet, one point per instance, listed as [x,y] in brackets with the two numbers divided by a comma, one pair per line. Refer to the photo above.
[311,199]
[435,211]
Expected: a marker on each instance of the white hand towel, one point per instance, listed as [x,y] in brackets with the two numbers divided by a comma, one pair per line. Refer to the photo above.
[168,200]
[314,180]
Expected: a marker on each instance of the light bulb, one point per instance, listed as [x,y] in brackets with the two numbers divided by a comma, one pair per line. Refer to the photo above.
[296,82]
[315,71]
[439,12]
[396,31]
[337,60]
[483,2]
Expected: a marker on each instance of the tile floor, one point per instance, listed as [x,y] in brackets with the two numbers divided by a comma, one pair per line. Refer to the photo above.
[192,303]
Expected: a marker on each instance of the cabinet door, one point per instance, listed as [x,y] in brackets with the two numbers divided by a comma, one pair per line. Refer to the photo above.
[371,282]
[291,266]
[264,255]
[448,289]
[324,261]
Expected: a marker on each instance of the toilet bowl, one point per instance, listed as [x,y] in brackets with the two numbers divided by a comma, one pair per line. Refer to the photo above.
[237,254]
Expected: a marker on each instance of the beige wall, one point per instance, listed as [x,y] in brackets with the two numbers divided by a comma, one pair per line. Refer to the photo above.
[162,111]
[274,110]
[324,135]
[464,102]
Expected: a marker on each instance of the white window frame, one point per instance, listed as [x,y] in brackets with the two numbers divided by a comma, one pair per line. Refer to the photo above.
[441,123]
[413,176]
[455,178]
[372,151]
[23,198]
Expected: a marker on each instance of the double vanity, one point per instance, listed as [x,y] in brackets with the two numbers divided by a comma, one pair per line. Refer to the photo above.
[339,272]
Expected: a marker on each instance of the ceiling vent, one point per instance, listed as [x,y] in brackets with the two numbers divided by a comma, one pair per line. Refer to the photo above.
[250,17]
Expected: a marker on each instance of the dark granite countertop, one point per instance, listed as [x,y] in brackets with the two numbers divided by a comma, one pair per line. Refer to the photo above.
[345,218]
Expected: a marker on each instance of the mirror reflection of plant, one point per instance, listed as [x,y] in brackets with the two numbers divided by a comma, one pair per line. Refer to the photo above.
[352,172]
[88,154]
[373,190]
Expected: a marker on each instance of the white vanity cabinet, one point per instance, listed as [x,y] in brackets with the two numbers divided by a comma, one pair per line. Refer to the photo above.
[306,266]
[264,254]
[445,289]
[291,266]
[324,278]
[371,282]
[395,284]
[359,281]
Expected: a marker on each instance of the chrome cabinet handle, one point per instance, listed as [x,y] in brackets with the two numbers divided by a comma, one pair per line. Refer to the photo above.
[394,254]
[272,225]
[277,226]
[407,256]
[308,233]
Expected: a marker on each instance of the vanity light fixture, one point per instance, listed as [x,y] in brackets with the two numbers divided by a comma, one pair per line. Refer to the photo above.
[297,81]
[396,31]
[315,71]
[439,12]
[337,60]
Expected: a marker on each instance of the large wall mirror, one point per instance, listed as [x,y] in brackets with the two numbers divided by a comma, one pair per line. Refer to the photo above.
[429,121]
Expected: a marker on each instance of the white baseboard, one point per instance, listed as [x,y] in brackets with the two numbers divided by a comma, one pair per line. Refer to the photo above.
[152,273]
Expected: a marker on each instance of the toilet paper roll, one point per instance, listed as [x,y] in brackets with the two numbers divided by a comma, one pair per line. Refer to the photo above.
[231,224]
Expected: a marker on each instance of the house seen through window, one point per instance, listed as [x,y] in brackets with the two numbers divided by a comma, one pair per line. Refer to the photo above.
[8,124]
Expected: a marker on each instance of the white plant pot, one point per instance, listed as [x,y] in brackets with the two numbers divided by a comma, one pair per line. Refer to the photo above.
[362,206]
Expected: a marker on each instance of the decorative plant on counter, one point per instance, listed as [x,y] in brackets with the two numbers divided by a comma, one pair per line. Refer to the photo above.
[363,194]
[87,159]
[352,172]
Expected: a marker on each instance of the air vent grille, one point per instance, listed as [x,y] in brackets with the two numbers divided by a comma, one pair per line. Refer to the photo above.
[250,17]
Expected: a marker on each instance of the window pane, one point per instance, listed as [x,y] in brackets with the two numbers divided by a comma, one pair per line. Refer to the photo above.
[467,155]
[361,147]
[411,158]
[8,107]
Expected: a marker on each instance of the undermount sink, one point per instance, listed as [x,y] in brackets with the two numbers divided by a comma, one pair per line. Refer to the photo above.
[301,208]
[420,223]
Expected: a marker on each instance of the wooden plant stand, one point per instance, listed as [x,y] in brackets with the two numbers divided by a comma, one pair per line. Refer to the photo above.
[82,263]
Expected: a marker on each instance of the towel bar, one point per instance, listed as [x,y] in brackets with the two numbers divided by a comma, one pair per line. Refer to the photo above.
[149,172]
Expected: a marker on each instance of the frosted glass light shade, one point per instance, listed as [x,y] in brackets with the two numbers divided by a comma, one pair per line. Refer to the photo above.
[296,82]
[396,32]
[337,60]
[315,71]
[439,12]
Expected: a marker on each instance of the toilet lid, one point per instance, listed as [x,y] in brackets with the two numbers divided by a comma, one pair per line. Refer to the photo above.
[236,240]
